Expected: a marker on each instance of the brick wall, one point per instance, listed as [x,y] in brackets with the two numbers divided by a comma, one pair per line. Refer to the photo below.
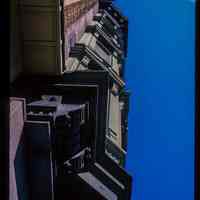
[74,28]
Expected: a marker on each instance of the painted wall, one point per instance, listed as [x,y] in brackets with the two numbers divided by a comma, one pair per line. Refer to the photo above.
[160,73]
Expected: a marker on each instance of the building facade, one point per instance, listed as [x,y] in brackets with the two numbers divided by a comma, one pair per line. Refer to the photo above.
[69,105]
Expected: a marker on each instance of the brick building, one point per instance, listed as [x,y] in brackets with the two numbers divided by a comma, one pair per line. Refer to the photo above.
[69,105]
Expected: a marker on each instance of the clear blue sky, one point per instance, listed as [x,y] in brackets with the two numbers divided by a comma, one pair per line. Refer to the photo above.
[160,73]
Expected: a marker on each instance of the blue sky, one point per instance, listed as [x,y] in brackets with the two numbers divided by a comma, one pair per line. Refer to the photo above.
[160,73]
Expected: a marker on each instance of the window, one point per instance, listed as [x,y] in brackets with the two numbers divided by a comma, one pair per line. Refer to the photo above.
[115,119]
[103,52]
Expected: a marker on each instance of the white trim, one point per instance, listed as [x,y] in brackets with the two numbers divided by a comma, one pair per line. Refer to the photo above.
[74,85]
[98,185]
[109,175]
[117,145]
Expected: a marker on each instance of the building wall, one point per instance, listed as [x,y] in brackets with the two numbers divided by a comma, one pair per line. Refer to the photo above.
[76,21]
[15,47]
[47,33]
[40,23]
[16,129]
[37,35]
